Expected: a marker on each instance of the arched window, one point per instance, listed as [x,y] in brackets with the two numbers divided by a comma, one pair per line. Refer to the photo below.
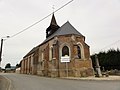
[42,55]
[51,53]
[65,51]
[79,52]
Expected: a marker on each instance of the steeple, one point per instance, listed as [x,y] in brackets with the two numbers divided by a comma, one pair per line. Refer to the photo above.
[52,28]
[53,21]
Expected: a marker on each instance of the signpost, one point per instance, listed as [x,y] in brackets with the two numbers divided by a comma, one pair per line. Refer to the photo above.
[66,59]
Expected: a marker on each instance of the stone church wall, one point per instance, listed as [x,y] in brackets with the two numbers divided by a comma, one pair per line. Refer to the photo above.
[55,68]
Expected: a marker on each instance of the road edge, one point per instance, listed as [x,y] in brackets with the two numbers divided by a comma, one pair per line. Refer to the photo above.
[9,82]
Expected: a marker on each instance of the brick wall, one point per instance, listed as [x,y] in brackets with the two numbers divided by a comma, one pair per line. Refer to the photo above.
[42,65]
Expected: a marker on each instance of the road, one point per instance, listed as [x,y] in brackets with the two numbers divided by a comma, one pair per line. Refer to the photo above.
[4,84]
[29,82]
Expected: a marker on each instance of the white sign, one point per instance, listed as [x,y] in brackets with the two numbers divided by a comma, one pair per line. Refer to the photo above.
[65,59]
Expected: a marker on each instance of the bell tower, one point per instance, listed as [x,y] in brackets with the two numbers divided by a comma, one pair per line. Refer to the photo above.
[52,28]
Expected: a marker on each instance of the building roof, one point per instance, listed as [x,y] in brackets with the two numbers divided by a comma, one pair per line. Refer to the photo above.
[65,29]
[32,51]
[52,28]
[53,20]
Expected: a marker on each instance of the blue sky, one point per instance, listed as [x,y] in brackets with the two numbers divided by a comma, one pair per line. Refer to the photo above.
[97,20]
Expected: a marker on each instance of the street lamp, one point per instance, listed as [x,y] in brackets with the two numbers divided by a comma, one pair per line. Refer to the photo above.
[2,39]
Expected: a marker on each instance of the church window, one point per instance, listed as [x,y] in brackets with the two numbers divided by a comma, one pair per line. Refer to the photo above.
[42,56]
[79,52]
[51,53]
[65,51]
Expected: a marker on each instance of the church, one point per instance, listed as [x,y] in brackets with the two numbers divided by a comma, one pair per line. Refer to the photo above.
[63,53]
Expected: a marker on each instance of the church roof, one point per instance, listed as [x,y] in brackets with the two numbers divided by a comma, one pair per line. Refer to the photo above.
[53,20]
[31,52]
[52,28]
[65,29]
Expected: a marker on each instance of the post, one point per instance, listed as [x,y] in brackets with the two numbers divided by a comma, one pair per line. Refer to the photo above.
[57,51]
[67,69]
[1,50]
[97,67]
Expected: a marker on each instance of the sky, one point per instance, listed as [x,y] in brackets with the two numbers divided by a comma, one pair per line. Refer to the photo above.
[97,20]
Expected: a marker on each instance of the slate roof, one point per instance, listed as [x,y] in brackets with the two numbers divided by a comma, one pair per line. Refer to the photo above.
[52,28]
[31,52]
[53,20]
[65,29]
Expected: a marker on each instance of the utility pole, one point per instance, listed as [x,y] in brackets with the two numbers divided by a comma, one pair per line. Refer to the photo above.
[1,50]
[2,39]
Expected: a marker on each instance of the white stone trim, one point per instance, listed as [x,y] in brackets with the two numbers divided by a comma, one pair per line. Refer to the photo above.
[50,53]
[60,50]
[82,50]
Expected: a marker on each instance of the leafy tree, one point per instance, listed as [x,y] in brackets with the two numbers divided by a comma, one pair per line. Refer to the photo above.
[8,65]
[109,60]
[18,65]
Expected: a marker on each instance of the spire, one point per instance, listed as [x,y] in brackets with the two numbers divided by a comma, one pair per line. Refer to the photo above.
[53,20]
[53,27]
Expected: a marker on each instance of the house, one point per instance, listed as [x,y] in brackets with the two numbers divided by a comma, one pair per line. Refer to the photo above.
[63,53]
[10,69]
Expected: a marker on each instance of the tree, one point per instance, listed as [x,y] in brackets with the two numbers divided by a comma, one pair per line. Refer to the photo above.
[109,60]
[18,65]
[8,65]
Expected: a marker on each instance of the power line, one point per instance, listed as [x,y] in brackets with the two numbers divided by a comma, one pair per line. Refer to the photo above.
[107,46]
[40,20]
[110,44]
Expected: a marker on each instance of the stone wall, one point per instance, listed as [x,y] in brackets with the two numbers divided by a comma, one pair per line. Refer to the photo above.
[46,65]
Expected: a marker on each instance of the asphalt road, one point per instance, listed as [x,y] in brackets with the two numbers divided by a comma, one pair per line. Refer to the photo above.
[4,84]
[29,82]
